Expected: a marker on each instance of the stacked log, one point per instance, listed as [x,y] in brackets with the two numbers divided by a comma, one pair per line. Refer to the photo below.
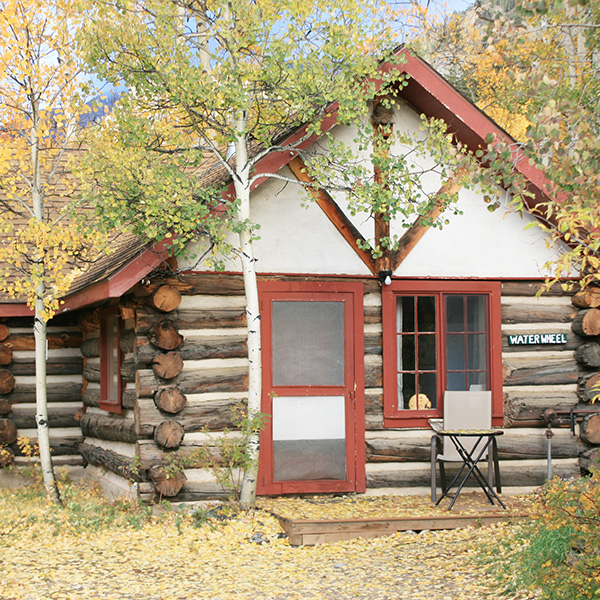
[590,429]
[591,388]
[516,444]
[537,377]
[517,473]
[110,438]
[18,387]
[586,324]
[115,462]
[167,484]
[158,344]
[373,360]
[587,298]
[109,426]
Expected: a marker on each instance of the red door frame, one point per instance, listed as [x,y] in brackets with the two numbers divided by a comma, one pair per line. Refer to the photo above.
[353,389]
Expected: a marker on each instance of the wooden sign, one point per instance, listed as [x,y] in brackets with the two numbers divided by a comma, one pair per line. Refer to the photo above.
[532,339]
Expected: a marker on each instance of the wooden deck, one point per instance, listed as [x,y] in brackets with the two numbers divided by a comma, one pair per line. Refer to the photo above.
[403,514]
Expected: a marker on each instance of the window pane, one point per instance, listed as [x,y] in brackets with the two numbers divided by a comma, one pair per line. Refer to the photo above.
[110,359]
[308,343]
[405,314]
[426,313]
[456,382]
[476,313]
[478,381]
[406,353]
[427,352]
[455,313]
[309,438]
[476,351]
[455,352]
[406,388]
[428,386]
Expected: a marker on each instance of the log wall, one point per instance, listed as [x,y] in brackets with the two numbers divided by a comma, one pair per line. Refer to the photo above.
[17,386]
[108,439]
[185,366]
[538,377]
[192,369]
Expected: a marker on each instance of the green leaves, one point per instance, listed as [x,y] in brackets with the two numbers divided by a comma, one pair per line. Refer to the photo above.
[205,78]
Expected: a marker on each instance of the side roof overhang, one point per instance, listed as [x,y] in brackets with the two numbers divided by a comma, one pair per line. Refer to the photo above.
[118,275]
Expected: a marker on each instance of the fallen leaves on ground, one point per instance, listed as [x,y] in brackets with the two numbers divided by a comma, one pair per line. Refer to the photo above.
[91,551]
[388,507]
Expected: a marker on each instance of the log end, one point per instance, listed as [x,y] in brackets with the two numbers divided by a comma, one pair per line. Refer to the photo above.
[166,482]
[170,400]
[8,432]
[166,298]
[169,434]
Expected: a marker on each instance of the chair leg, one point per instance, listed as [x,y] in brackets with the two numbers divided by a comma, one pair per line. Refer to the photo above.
[443,476]
[496,467]
[434,453]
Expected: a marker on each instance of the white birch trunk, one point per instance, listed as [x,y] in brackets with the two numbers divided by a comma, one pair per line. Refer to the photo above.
[40,330]
[242,188]
[41,401]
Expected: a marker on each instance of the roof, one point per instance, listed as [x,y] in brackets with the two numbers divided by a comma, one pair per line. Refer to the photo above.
[426,91]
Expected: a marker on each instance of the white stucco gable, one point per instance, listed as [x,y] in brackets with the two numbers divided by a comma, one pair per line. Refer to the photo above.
[297,237]
[479,243]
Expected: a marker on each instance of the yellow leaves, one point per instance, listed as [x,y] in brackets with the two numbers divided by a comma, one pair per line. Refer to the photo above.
[45,257]
[62,554]
[371,507]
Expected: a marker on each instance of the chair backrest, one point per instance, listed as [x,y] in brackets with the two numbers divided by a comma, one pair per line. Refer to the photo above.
[465,410]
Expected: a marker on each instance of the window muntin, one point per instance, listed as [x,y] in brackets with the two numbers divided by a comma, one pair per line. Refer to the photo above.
[416,331]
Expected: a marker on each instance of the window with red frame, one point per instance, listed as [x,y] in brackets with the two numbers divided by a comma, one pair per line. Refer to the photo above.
[438,336]
[110,361]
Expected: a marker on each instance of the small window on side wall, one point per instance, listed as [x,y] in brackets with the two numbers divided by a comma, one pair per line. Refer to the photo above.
[110,360]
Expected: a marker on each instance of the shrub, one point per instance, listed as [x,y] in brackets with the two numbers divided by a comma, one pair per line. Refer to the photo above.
[557,552]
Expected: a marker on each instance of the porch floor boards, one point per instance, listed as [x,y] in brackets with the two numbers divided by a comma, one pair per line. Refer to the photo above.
[354,517]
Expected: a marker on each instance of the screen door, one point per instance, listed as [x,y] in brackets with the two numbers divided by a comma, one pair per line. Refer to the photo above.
[310,383]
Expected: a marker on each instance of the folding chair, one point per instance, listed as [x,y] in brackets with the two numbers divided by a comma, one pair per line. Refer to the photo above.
[463,410]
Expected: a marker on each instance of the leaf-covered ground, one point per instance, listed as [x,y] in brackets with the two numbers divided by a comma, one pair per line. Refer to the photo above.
[92,550]
[385,507]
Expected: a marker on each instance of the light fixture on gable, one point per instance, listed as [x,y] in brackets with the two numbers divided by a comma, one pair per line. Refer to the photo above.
[385,277]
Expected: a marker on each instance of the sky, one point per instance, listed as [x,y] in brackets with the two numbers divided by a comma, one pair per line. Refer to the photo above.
[449,5]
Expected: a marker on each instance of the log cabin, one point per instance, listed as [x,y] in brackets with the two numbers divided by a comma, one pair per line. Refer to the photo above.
[148,355]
